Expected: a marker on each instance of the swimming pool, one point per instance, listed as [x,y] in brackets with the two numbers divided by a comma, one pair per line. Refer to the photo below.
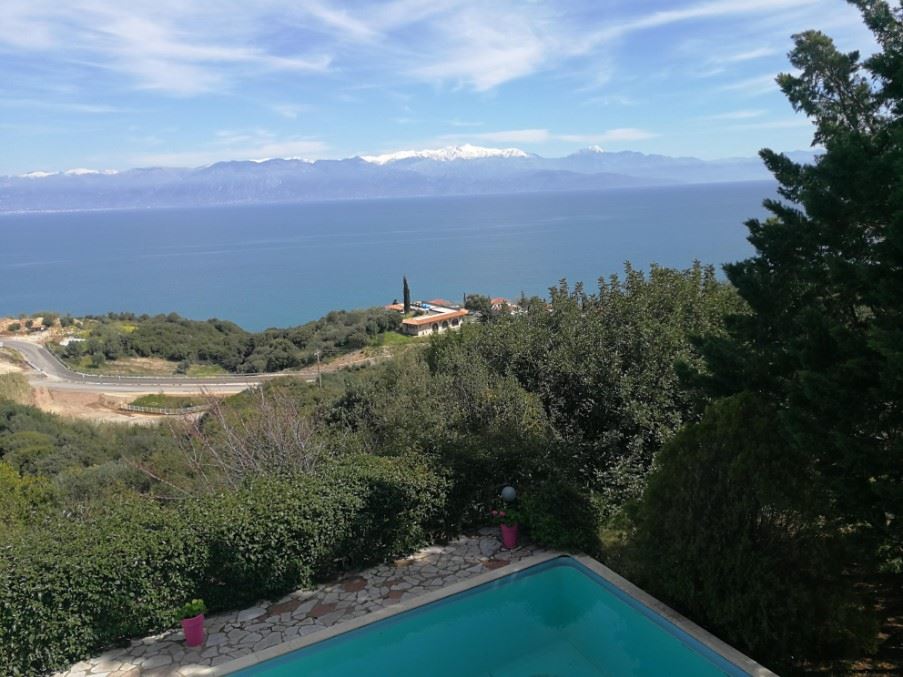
[559,617]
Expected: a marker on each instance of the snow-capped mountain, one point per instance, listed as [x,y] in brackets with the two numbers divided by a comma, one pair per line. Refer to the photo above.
[78,171]
[447,154]
[589,150]
[456,170]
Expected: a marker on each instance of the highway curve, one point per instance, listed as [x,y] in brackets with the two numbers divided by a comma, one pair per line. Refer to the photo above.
[49,372]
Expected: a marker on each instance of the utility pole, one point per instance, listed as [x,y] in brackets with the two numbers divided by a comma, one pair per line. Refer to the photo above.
[319,375]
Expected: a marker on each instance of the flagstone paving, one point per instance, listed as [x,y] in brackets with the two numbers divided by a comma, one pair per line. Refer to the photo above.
[304,612]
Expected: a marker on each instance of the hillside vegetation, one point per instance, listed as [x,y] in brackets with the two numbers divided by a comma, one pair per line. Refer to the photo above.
[224,344]
[735,447]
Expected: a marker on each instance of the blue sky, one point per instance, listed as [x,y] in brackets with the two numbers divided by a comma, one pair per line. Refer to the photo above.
[114,84]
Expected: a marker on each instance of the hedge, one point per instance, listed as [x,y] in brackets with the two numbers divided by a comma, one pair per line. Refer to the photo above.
[77,587]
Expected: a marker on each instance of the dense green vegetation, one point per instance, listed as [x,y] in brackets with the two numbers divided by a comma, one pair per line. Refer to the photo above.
[733,447]
[225,344]
[773,518]
[74,586]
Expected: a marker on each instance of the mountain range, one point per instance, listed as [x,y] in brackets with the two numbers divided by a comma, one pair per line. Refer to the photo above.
[455,170]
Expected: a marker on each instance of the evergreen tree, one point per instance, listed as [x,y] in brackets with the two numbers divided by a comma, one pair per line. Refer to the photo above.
[407,295]
[826,284]
[820,355]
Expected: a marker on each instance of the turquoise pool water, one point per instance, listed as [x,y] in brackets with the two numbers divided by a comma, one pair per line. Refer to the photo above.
[557,618]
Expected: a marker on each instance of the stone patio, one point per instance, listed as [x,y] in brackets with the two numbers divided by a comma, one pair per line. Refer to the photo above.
[303,612]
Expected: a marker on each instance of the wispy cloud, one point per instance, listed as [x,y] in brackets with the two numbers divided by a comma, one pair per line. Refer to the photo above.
[611,100]
[537,136]
[754,86]
[64,106]
[612,135]
[176,47]
[792,123]
[189,47]
[256,144]
[291,110]
[748,55]
[503,136]
[484,54]
[699,11]
[735,115]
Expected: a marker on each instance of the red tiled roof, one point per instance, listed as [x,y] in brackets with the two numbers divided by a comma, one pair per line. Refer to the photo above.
[441,302]
[433,319]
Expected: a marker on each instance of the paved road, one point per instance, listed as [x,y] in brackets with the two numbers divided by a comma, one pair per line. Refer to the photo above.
[49,372]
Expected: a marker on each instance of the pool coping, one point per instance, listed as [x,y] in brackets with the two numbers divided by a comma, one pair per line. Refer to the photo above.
[707,639]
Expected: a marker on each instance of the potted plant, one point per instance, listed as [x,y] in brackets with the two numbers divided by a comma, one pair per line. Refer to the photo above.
[508,519]
[192,615]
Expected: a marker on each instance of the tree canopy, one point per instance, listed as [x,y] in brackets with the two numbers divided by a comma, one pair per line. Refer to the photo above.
[813,373]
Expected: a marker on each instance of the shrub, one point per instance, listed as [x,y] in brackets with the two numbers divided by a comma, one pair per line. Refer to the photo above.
[559,515]
[76,587]
[479,466]
[726,533]
[14,326]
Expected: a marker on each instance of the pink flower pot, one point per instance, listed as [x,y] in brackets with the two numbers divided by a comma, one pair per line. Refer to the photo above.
[194,630]
[509,535]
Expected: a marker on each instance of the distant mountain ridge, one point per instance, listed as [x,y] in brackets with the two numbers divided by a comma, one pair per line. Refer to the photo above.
[455,170]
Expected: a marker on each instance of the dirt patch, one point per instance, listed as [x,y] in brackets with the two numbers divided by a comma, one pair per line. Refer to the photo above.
[96,407]
[11,362]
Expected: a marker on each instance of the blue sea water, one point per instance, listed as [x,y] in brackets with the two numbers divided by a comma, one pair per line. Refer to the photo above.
[281,265]
[553,619]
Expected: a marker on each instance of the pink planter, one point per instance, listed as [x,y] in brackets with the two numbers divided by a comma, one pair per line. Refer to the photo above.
[194,630]
[509,535]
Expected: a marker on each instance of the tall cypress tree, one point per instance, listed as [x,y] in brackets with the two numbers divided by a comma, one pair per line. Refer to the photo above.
[407,295]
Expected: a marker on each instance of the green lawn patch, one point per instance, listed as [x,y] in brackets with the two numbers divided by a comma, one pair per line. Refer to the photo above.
[162,401]
[205,370]
[390,338]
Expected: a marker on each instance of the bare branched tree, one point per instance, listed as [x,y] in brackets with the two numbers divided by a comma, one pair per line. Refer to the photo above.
[274,436]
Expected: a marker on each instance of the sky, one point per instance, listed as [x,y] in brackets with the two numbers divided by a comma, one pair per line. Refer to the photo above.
[108,84]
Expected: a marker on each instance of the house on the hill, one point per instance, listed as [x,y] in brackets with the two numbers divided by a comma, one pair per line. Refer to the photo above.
[432,317]
[433,323]
[500,304]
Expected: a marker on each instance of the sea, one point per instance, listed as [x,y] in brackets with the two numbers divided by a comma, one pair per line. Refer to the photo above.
[282,265]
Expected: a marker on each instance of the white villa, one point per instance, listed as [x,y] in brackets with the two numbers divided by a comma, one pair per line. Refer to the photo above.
[432,317]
